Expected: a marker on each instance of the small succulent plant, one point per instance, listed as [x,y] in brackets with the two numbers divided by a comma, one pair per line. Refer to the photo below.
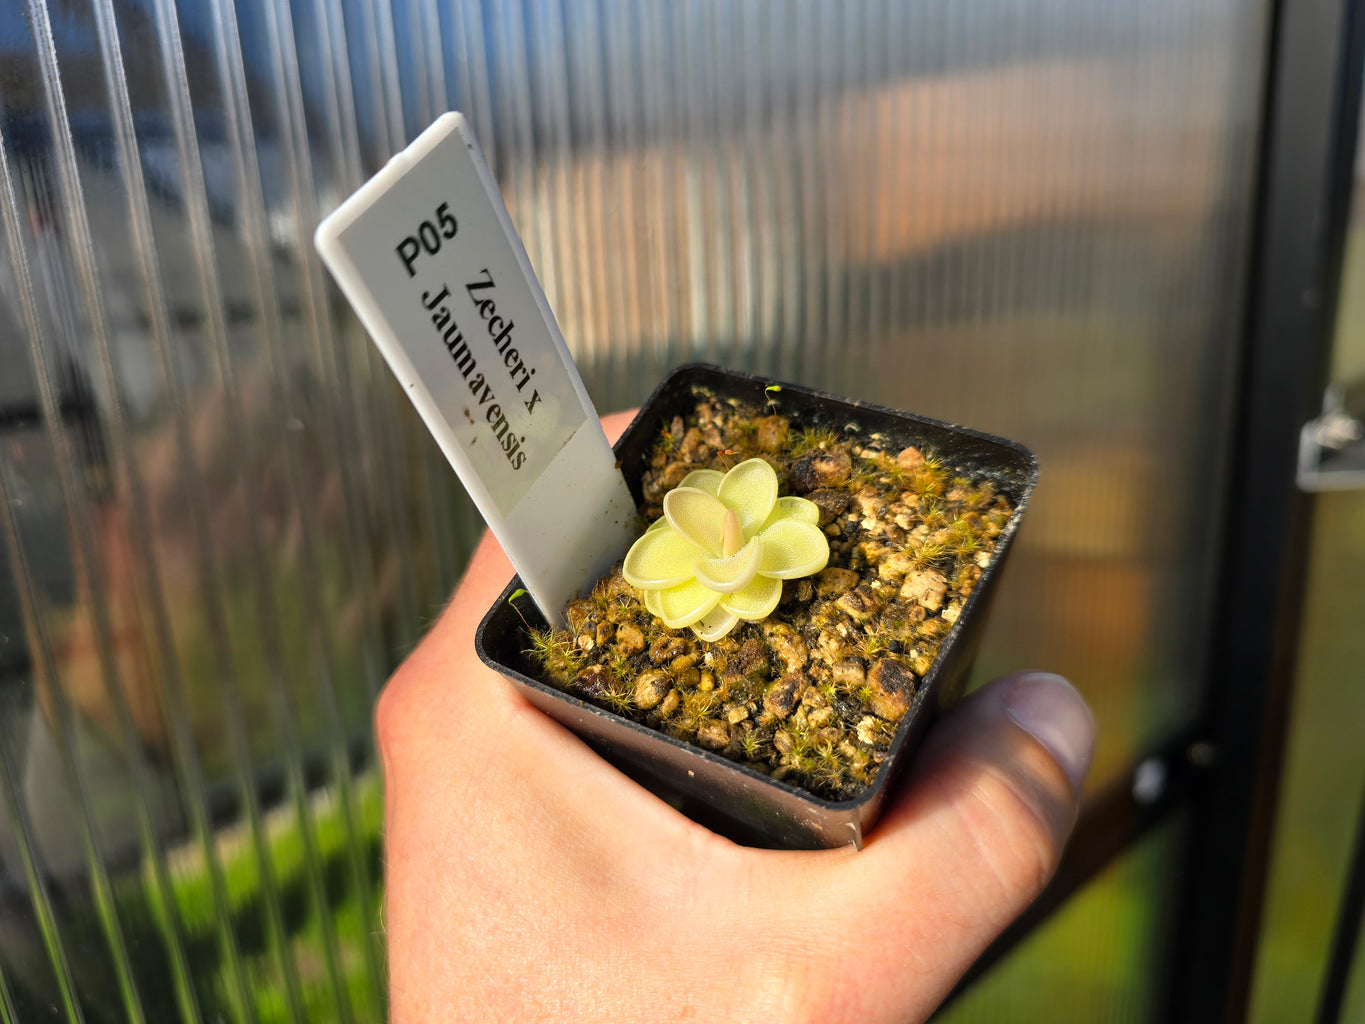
[724,545]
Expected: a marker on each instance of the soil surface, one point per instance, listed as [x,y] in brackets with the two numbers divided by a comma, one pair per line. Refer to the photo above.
[813,694]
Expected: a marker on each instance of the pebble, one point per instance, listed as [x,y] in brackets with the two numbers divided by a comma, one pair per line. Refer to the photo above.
[682,663]
[666,648]
[935,627]
[714,733]
[922,661]
[752,659]
[593,681]
[869,503]
[910,458]
[861,602]
[577,615]
[811,697]
[926,587]
[787,644]
[656,485]
[781,696]
[833,581]
[849,674]
[731,679]
[693,446]
[630,639]
[832,504]
[771,432]
[819,468]
[869,730]
[895,565]
[892,686]
[651,688]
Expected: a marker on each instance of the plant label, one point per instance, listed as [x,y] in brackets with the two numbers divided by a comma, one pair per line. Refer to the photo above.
[427,255]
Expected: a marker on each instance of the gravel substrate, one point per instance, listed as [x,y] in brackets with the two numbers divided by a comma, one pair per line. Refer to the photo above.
[811,695]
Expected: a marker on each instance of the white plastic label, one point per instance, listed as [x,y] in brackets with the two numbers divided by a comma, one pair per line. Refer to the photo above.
[427,255]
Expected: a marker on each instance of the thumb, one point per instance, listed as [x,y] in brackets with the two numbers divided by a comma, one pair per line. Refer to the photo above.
[976,832]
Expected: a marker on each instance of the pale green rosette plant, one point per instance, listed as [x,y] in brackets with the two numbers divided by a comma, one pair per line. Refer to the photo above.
[722,549]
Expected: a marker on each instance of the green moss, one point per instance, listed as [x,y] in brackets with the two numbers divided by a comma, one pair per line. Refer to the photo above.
[810,439]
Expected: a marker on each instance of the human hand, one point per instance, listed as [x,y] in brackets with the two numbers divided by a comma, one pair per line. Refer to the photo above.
[528,879]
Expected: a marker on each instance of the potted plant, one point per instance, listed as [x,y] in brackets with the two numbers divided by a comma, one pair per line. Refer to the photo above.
[807,592]
[808,580]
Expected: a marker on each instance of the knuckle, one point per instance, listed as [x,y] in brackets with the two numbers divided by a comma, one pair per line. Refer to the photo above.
[392,714]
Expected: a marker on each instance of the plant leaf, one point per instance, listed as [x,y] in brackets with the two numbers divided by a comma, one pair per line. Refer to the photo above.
[707,480]
[751,490]
[791,507]
[756,601]
[696,515]
[715,624]
[793,548]
[685,604]
[661,559]
[728,575]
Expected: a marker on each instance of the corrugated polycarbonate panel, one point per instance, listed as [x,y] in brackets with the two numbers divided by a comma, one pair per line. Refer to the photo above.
[222,526]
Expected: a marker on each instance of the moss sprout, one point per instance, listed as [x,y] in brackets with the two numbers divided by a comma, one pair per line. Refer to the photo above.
[810,439]
[926,554]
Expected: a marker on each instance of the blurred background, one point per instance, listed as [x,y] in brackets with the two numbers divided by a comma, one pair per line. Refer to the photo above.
[1054,220]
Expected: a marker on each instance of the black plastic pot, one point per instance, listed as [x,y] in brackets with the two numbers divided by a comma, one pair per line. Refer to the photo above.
[734,800]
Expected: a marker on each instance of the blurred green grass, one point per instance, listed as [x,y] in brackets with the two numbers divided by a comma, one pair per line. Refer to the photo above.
[263,956]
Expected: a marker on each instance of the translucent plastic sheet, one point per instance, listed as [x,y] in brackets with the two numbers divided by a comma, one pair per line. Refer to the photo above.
[222,527]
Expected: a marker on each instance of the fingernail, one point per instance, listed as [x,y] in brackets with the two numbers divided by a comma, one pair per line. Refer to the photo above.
[1049,709]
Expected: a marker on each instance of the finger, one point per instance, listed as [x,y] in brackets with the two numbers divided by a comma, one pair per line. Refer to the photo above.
[614,423]
[973,836]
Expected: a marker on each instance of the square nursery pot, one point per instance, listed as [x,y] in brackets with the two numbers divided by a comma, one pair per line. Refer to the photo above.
[736,801]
